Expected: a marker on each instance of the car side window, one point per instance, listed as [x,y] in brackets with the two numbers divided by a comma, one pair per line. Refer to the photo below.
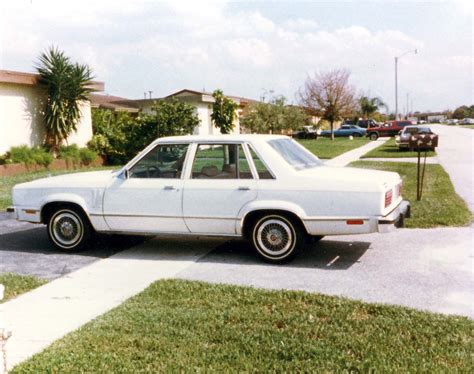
[220,161]
[163,161]
[262,171]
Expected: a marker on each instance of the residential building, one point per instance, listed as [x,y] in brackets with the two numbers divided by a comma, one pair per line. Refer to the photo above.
[22,101]
[202,101]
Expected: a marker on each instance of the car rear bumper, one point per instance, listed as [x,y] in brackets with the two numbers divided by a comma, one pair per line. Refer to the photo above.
[396,218]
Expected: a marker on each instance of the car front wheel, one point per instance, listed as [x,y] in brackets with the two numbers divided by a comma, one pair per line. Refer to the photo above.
[276,238]
[69,229]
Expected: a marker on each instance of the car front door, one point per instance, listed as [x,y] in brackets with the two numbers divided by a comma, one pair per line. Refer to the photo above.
[148,198]
[219,184]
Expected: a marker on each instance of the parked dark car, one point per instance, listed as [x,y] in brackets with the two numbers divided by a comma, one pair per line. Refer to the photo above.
[367,123]
[403,139]
[391,128]
[346,130]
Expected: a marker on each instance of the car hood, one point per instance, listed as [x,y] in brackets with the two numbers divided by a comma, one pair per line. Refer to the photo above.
[349,178]
[92,179]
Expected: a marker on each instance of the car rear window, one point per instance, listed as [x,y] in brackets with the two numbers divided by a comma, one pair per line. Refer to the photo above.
[295,154]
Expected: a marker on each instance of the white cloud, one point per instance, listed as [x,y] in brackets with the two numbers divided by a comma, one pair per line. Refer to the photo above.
[139,45]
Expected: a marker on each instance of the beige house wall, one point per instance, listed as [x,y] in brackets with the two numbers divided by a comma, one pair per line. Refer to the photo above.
[21,121]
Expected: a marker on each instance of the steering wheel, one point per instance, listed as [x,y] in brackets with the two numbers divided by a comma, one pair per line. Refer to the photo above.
[153,172]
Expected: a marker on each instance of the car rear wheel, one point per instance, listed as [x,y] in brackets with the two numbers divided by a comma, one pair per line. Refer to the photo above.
[374,136]
[356,135]
[69,229]
[276,238]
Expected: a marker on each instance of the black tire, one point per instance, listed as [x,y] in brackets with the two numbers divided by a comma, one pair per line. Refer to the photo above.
[316,238]
[374,136]
[276,238]
[356,135]
[69,229]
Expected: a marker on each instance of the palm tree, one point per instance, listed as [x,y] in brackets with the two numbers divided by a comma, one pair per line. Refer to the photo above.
[369,106]
[66,85]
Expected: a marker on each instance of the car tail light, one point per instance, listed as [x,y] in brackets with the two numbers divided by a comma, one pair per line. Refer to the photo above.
[388,198]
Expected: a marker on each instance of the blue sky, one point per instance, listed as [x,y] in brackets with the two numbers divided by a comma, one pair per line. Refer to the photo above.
[248,48]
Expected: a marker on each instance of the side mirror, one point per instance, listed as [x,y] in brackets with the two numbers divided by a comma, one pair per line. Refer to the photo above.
[124,174]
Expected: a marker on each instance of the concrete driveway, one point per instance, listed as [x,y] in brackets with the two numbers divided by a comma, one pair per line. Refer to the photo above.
[423,269]
[25,249]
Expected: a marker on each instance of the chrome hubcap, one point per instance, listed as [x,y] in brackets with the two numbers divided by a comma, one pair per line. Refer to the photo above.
[67,228]
[274,237]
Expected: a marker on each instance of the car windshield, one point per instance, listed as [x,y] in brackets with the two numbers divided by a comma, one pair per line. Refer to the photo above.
[295,154]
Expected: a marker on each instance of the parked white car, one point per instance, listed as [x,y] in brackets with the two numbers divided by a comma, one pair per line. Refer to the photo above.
[266,188]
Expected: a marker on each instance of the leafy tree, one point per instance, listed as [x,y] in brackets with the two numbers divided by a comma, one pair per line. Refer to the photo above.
[170,117]
[370,105]
[273,116]
[119,136]
[66,84]
[463,112]
[329,94]
[223,112]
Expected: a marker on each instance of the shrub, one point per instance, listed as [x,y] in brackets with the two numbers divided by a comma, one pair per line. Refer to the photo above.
[41,157]
[21,155]
[77,156]
[29,156]
[70,153]
[87,156]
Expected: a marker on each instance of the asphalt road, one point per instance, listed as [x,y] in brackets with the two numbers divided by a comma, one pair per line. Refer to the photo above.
[456,155]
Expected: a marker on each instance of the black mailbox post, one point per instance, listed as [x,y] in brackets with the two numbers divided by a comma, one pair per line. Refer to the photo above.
[419,143]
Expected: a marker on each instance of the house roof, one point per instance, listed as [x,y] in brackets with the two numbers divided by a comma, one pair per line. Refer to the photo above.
[239,99]
[115,103]
[31,79]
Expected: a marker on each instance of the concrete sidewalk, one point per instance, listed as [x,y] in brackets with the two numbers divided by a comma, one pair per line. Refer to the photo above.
[355,154]
[47,313]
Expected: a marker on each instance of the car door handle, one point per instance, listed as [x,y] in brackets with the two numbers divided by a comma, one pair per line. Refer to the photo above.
[244,188]
[170,188]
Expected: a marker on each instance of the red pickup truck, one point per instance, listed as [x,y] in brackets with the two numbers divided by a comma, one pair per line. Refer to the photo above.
[390,128]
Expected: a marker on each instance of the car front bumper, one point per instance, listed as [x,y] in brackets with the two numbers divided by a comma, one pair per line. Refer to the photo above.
[396,218]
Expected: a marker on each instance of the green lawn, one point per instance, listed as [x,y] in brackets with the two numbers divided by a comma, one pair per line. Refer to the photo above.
[390,150]
[16,284]
[439,206]
[181,326]
[326,148]
[6,183]
[468,126]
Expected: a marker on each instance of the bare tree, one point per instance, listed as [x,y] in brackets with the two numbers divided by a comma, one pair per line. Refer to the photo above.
[330,95]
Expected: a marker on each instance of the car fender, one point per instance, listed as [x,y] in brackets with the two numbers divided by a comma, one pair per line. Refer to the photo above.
[267,205]
[65,198]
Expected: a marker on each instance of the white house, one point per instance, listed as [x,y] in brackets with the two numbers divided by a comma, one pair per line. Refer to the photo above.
[202,101]
[21,103]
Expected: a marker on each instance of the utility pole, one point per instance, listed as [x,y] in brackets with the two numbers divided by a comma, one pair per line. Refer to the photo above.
[408,108]
[396,88]
[396,78]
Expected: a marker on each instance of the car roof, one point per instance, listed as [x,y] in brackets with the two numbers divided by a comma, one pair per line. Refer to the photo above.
[220,138]
[417,127]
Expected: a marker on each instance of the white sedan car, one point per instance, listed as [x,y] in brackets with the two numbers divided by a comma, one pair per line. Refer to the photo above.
[266,188]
